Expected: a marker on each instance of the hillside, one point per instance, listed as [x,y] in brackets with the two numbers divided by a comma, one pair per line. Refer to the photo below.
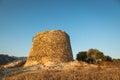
[5,59]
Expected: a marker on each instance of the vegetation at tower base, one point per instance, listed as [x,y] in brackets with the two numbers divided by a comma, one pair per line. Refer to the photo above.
[52,45]
[92,56]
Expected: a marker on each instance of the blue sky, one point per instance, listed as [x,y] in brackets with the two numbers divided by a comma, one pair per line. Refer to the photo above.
[89,23]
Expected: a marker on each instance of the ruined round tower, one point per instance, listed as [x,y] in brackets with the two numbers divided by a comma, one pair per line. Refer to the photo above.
[52,45]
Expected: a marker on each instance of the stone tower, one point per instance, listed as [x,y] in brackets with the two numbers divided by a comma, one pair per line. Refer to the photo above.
[52,45]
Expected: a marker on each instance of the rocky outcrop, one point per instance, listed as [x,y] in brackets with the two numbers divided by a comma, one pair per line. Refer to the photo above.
[53,46]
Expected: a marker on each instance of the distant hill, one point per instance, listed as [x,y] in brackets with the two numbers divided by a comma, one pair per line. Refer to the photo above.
[4,58]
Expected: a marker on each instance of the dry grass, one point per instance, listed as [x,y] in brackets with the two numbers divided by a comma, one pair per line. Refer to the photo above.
[68,75]
[116,63]
[73,72]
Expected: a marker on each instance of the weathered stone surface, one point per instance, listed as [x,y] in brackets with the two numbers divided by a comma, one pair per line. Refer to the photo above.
[53,46]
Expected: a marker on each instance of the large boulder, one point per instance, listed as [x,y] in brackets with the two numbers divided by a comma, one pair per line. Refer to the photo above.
[53,46]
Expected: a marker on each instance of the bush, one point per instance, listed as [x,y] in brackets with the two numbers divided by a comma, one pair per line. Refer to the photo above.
[92,56]
[95,55]
[82,56]
[107,58]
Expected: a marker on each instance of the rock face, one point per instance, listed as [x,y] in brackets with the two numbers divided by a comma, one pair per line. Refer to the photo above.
[53,46]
